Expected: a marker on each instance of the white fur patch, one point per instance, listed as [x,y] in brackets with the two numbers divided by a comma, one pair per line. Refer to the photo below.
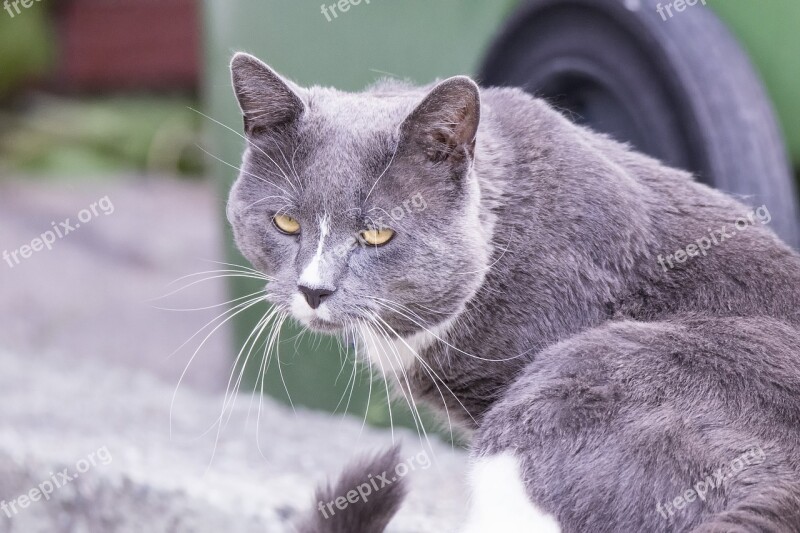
[312,274]
[304,313]
[500,502]
[301,310]
[393,354]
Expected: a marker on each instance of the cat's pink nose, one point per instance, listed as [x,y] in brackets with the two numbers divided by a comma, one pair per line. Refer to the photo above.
[314,297]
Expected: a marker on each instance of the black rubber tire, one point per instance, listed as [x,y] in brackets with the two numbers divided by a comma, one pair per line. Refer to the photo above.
[680,89]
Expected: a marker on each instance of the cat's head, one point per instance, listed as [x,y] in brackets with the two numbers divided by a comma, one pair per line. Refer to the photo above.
[362,208]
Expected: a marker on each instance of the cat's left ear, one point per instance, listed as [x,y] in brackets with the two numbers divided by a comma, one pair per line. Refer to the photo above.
[445,124]
[267,100]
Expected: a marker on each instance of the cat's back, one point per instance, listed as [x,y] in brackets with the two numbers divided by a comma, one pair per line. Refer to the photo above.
[685,247]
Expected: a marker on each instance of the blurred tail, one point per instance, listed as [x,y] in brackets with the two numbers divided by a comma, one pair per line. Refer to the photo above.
[363,500]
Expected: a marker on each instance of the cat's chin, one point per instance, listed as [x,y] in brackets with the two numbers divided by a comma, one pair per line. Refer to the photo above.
[319,325]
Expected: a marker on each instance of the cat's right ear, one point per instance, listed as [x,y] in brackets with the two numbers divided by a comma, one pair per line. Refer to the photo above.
[445,124]
[268,101]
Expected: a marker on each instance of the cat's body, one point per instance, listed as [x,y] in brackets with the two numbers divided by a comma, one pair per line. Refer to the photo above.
[608,329]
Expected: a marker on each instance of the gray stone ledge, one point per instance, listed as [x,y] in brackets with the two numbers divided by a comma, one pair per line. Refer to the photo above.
[54,413]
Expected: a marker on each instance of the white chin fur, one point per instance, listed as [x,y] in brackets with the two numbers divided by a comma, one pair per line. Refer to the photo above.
[398,354]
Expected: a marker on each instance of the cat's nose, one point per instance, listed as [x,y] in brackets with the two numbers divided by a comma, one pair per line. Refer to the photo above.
[315,297]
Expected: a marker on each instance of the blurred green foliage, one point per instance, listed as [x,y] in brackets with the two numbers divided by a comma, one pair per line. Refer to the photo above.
[26,47]
[88,138]
[46,135]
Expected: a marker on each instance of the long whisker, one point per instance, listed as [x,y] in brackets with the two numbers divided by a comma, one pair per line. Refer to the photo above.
[231,398]
[248,141]
[355,369]
[433,375]
[274,340]
[415,414]
[288,165]
[376,332]
[294,154]
[394,154]
[489,267]
[243,307]
[360,323]
[342,358]
[244,304]
[218,276]
[376,208]
[386,384]
[287,200]
[369,394]
[351,381]
[242,171]
[258,330]
[234,265]
[407,308]
[229,302]
[266,345]
[283,380]
[218,271]
[459,350]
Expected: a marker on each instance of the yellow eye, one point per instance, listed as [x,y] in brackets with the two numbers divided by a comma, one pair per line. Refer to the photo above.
[377,237]
[286,224]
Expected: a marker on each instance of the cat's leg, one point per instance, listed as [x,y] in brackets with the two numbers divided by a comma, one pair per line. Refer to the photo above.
[499,500]
[618,430]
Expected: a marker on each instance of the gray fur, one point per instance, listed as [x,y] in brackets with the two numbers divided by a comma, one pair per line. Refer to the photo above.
[370,516]
[618,383]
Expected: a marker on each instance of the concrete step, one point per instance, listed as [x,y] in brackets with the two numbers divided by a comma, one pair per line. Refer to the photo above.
[97,440]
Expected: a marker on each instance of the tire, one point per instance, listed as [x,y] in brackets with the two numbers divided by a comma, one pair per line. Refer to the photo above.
[680,89]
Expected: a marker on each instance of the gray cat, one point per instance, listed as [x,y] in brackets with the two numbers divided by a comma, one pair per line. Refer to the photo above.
[622,343]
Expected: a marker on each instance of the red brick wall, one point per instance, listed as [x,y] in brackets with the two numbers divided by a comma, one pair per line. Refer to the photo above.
[128,44]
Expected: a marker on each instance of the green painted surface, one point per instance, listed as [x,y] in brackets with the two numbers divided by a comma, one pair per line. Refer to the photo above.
[770,32]
[420,40]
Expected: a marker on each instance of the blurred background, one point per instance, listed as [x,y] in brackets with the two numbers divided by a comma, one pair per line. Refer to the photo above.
[130,101]
[96,101]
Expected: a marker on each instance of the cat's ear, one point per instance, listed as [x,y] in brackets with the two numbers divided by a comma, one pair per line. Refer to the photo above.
[268,101]
[444,125]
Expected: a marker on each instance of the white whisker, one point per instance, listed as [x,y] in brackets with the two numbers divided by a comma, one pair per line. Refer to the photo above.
[243,307]
[280,372]
[239,275]
[241,170]
[394,154]
[412,404]
[433,375]
[459,350]
[214,306]
[248,141]
[230,399]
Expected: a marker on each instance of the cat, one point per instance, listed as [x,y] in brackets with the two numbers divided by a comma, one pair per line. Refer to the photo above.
[610,332]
